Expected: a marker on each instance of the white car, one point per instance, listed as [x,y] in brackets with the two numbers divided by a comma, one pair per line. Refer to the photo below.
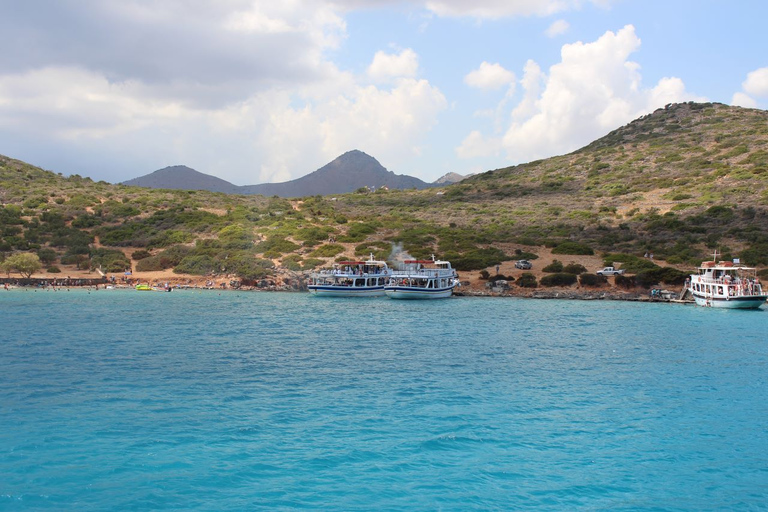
[523,264]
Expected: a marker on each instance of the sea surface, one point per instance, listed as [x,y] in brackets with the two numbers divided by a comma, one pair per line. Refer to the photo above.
[210,401]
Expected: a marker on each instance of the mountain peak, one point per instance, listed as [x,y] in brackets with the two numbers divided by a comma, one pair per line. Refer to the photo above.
[181,177]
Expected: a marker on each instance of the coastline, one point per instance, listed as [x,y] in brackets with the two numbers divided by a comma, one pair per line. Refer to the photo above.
[473,285]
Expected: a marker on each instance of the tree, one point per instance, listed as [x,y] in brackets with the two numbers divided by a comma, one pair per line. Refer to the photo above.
[24,263]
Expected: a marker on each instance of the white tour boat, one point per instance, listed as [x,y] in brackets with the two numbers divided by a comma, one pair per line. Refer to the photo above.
[725,284]
[422,279]
[351,279]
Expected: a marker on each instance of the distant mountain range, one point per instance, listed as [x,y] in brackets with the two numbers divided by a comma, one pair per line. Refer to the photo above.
[347,173]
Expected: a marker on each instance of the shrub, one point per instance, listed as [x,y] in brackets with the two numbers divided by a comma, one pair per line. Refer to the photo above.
[476,259]
[484,274]
[327,251]
[151,264]
[53,269]
[358,232]
[555,266]
[86,221]
[47,255]
[527,280]
[276,245]
[575,268]
[624,281]
[109,260]
[573,248]
[559,279]
[291,262]
[629,262]
[140,254]
[169,258]
[311,263]
[196,264]
[593,280]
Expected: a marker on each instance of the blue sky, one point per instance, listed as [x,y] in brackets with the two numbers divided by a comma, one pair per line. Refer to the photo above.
[256,91]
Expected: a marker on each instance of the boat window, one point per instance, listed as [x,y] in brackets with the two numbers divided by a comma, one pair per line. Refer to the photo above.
[359,282]
[720,290]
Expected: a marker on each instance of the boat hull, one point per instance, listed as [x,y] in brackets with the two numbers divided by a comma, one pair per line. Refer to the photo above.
[346,291]
[752,302]
[405,292]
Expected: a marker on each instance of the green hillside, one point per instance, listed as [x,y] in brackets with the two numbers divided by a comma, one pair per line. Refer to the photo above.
[680,182]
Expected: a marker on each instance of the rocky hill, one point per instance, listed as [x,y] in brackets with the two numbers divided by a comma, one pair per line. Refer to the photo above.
[181,177]
[351,171]
[347,173]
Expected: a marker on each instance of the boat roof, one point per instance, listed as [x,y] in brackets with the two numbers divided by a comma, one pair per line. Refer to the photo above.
[369,262]
[723,265]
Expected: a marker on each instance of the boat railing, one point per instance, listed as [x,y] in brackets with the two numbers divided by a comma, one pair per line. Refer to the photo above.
[733,288]
[330,273]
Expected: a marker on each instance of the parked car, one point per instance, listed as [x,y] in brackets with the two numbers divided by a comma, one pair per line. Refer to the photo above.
[610,271]
[523,264]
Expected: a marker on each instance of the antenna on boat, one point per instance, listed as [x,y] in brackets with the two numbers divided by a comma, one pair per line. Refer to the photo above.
[714,256]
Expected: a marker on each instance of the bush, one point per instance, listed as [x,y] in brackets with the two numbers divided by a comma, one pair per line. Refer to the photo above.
[169,258]
[559,279]
[197,265]
[109,260]
[554,267]
[666,275]
[53,270]
[573,248]
[527,280]
[276,245]
[327,251]
[476,259]
[484,274]
[574,268]
[593,280]
[291,262]
[629,262]
[623,281]
[140,254]
[47,255]
[311,263]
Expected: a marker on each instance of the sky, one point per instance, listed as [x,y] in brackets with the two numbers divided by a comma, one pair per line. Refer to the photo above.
[269,91]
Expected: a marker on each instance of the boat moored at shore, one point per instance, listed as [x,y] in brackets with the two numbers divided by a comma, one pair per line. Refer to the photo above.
[351,279]
[422,279]
[726,285]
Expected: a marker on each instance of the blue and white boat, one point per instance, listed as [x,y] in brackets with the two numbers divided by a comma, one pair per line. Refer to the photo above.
[351,279]
[728,285]
[422,279]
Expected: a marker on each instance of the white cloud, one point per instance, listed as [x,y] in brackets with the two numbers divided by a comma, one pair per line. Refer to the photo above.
[743,100]
[209,55]
[386,65]
[756,83]
[489,76]
[244,90]
[475,145]
[557,28]
[592,90]
[496,9]
[387,123]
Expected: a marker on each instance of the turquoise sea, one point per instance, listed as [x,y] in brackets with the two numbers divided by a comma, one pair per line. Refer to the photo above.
[209,401]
